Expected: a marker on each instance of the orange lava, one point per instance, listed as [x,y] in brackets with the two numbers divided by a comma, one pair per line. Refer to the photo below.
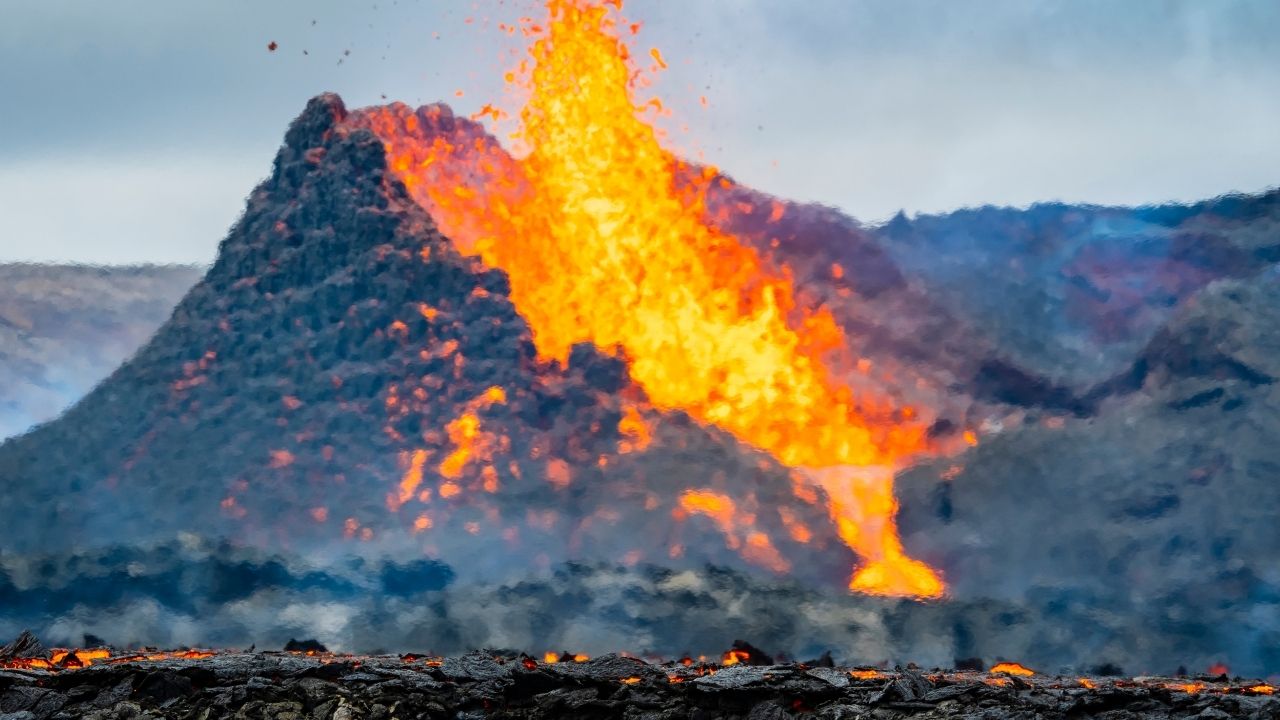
[26,664]
[67,659]
[1007,668]
[605,243]
[720,508]
[635,429]
[735,525]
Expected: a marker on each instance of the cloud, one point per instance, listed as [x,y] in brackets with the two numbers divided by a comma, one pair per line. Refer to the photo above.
[870,106]
[159,209]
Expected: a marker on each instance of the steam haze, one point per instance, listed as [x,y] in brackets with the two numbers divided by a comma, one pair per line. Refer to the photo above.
[133,130]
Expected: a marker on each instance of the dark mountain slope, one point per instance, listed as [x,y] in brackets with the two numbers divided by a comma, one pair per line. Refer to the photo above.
[341,374]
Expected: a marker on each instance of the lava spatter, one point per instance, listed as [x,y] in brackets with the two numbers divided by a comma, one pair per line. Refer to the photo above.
[605,242]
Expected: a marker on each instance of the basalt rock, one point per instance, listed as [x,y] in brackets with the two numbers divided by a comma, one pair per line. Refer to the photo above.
[503,686]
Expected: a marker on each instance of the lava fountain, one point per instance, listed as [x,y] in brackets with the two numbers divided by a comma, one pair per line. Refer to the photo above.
[603,234]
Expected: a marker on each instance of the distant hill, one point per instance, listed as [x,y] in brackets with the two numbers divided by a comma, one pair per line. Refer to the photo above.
[63,328]
[1073,292]
[1160,508]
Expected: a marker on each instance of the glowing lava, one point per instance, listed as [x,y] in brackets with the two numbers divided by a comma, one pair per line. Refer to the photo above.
[1008,668]
[604,239]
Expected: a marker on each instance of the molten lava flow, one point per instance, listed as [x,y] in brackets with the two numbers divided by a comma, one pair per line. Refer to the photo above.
[735,525]
[60,659]
[604,241]
[1008,668]
[79,658]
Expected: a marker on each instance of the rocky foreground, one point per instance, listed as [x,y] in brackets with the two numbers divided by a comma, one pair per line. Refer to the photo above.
[498,684]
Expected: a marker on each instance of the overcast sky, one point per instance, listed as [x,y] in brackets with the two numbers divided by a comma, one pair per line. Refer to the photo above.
[132,130]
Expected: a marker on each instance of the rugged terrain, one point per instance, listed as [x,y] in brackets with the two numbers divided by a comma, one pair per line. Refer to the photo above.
[506,684]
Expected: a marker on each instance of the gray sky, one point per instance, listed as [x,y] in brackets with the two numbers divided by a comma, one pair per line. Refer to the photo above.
[132,130]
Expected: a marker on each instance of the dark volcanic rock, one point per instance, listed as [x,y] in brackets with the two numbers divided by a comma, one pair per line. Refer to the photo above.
[311,645]
[305,393]
[382,687]
[63,328]
[26,645]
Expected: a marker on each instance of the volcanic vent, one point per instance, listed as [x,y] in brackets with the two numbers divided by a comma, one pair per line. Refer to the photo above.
[593,365]
[343,375]
[605,237]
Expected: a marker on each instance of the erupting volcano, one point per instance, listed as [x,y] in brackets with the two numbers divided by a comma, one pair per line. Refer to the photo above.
[537,381]
[606,239]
